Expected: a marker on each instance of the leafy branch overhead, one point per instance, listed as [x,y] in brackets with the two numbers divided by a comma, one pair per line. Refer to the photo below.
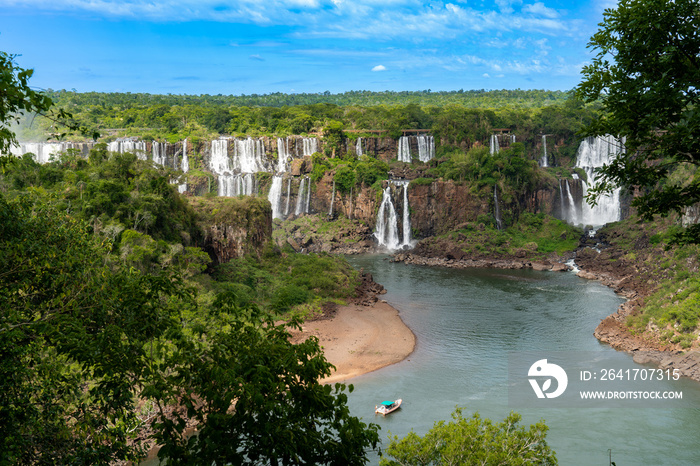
[646,73]
[19,98]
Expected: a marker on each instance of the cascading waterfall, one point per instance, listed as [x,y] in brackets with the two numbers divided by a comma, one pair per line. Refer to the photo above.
[406,216]
[573,213]
[303,197]
[43,151]
[282,154]
[493,146]
[330,212]
[386,230]
[249,155]
[159,152]
[308,195]
[404,154]
[185,167]
[128,145]
[512,138]
[309,146]
[570,208]
[561,203]
[242,184]
[594,153]
[289,193]
[358,147]
[185,160]
[543,161]
[496,208]
[426,148]
[275,196]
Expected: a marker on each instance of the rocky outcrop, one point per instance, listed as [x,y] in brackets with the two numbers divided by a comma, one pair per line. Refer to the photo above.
[313,233]
[439,207]
[234,227]
[466,263]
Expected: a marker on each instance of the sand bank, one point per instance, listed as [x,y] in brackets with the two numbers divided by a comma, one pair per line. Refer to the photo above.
[360,339]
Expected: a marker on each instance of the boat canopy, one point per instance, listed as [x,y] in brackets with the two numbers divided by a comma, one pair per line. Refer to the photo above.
[387,403]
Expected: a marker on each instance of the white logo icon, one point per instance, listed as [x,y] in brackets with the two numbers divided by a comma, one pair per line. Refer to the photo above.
[542,368]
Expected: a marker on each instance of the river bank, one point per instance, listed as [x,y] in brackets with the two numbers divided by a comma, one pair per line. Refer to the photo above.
[622,257]
[359,339]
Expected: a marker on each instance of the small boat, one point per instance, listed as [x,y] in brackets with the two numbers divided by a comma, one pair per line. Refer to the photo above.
[387,407]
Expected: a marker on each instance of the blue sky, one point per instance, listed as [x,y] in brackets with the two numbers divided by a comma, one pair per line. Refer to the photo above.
[259,47]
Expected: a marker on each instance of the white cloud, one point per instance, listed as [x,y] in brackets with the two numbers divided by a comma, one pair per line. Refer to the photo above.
[379,68]
[360,19]
[539,9]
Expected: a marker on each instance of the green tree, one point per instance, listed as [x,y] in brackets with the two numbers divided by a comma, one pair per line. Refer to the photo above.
[473,441]
[256,397]
[646,74]
[85,341]
[334,138]
[17,97]
[73,339]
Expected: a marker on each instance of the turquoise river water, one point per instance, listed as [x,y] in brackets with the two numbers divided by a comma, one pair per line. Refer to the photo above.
[467,324]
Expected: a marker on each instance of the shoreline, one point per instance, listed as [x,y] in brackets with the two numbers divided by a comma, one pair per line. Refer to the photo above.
[612,329]
[360,339]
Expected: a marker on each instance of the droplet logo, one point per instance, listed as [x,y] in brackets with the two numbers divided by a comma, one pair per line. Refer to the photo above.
[542,369]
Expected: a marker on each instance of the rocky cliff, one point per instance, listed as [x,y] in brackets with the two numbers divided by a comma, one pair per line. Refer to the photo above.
[234,227]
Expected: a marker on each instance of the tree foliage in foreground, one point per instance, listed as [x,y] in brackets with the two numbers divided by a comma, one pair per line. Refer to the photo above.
[646,73]
[17,98]
[95,355]
[473,440]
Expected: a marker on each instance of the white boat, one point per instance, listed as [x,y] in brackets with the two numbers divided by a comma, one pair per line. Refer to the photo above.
[387,407]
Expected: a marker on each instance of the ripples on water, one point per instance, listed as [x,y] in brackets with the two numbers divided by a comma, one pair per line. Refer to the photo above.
[467,322]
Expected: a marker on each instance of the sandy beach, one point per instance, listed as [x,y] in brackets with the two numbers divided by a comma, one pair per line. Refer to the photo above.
[360,339]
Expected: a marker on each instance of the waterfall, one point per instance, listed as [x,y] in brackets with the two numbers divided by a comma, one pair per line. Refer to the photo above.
[304,196]
[573,215]
[496,209]
[386,230]
[219,161]
[543,162]
[275,196]
[387,227]
[123,145]
[300,198]
[282,154]
[289,191]
[562,211]
[308,195]
[185,167]
[237,185]
[406,216]
[310,146]
[404,154]
[330,212]
[426,148]
[358,147]
[594,153]
[185,159]
[43,151]
[512,138]
[159,152]
[248,155]
[493,146]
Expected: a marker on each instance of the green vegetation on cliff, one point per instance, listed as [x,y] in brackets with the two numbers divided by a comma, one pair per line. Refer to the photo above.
[533,237]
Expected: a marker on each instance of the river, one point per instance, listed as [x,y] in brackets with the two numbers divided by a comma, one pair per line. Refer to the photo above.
[467,325]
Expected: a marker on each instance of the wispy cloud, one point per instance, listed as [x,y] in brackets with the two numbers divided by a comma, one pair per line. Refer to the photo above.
[379,68]
[539,9]
[256,57]
[327,18]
